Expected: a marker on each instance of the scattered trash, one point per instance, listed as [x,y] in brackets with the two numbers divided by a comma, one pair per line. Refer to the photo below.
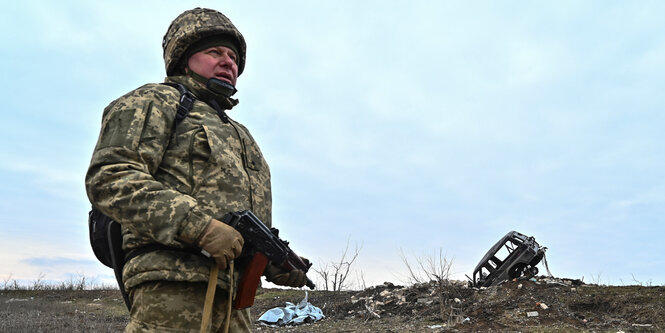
[435,327]
[562,282]
[371,311]
[292,314]
[519,286]
[16,300]
[466,320]
[642,325]
[532,314]
[543,306]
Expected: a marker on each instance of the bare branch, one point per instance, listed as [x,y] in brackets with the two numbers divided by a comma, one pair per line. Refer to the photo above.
[336,275]
[436,270]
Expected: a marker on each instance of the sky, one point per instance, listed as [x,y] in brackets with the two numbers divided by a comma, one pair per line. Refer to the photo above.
[406,128]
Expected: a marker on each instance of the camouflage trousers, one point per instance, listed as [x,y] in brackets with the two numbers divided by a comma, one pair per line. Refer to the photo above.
[164,306]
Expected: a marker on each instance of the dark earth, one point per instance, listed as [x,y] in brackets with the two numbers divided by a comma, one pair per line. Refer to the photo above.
[524,305]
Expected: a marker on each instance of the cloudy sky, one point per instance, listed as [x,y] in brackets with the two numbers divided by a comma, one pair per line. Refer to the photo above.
[403,127]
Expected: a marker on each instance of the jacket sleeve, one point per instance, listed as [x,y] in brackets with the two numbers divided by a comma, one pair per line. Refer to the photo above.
[135,132]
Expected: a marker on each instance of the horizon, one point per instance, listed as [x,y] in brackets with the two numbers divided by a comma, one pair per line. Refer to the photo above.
[403,128]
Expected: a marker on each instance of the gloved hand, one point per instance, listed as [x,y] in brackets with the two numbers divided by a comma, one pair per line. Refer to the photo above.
[295,278]
[224,243]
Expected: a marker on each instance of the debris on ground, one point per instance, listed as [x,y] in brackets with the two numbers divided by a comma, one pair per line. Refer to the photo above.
[521,304]
[292,314]
[572,306]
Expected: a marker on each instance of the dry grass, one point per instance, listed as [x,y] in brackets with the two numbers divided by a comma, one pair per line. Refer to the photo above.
[62,311]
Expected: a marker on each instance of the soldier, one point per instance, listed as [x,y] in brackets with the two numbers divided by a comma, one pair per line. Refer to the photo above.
[168,181]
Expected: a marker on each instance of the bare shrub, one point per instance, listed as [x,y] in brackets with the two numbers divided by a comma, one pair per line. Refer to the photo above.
[39,284]
[6,285]
[335,274]
[597,279]
[436,269]
[77,281]
[648,283]
[362,284]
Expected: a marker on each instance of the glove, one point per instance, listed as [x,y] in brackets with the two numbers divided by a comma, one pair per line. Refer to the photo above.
[224,243]
[295,278]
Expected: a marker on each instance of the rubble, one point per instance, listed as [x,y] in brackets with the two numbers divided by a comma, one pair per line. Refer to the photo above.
[567,304]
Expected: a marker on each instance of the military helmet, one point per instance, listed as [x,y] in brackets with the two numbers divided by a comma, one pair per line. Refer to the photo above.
[192,26]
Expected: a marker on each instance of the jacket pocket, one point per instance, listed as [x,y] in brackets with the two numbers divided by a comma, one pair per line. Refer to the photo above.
[220,152]
[253,158]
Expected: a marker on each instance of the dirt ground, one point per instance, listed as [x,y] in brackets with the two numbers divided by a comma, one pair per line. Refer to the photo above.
[527,305]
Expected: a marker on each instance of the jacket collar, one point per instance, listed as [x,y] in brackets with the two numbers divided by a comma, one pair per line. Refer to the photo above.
[202,93]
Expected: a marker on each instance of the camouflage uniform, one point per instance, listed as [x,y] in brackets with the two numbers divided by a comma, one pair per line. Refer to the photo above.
[165,306]
[164,183]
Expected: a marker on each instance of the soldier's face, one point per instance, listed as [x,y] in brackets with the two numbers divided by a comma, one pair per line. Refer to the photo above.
[218,62]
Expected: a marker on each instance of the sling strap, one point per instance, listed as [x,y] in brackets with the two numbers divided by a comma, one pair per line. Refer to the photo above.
[186,101]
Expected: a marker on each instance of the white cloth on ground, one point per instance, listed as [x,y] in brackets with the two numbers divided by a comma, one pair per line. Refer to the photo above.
[292,314]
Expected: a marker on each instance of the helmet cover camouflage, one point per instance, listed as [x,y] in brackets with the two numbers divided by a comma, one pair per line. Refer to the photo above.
[192,26]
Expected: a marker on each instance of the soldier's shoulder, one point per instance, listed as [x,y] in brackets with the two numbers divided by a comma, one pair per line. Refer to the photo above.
[239,124]
[151,96]
[243,128]
[151,93]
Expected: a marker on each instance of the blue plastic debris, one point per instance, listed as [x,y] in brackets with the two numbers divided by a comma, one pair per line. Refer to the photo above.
[292,314]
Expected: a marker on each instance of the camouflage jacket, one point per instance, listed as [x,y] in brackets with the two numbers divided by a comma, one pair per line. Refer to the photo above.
[164,183]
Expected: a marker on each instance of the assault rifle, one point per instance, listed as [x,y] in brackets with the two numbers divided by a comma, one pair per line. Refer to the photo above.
[263,245]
